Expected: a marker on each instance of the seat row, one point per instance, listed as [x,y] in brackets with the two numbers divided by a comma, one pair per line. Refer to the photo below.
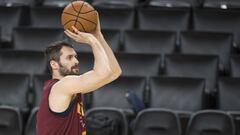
[137,41]
[183,95]
[129,3]
[164,19]
[177,93]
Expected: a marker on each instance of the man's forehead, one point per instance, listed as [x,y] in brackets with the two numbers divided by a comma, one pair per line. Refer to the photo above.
[68,51]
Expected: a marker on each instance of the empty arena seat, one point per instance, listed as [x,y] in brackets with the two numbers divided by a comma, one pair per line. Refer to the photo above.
[208,43]
[22,62]
[168,19]
[139,64]
[156,42]
[217,20]
[218,122]
[10,121]
[14,90]
[118,89]
[45,17]
[228,94]
[11,19]
[116,18]
[179,94]
[35,39]
[234,66]
[194,66]
[157,121]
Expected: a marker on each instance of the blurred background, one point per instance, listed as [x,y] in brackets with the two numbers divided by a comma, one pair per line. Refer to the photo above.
[180,62]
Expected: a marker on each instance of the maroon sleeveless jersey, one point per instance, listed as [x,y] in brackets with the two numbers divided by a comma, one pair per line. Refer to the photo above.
[70,122]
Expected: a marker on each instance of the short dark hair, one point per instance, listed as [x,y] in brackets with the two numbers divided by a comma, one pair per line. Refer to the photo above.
[53,52]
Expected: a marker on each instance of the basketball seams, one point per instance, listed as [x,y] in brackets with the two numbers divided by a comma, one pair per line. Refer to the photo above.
[81,25]
[87,12]
[80,18]
[77,13]
[74,7]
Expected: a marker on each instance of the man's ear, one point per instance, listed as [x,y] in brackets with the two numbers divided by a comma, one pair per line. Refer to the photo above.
[54,65]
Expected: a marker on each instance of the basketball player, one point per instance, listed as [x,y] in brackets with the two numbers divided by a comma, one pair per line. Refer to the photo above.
[61,109]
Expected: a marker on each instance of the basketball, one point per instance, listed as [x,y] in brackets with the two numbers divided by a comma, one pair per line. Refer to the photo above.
[81,15]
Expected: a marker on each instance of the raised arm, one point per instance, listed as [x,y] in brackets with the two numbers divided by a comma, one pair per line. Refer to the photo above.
[114,65]
[91,80]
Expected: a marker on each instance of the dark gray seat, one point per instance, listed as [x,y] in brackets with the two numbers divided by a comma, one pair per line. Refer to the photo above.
[10,121]
[218,123]
[14,90]
[234,66]
[179,94]
[118,89]
[157,121]
[35,39]
[194,66]
[22,62]
[139,64]
[208,43]
[156,42]
[168,19]
[217,20]
[10,18]
[46,17]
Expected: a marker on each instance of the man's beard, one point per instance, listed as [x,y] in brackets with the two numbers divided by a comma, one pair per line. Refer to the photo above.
[64,71]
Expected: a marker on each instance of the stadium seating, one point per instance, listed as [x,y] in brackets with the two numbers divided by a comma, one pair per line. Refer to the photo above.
[20,61]
[217,20]
[218,122]
[234,65]
[45,17]
[157,121]
[35,39]
[208,43]
[168,19]
[132,64]
[118,90]
[116,18]
[180,94]
[15,95]
[150,42]
[194,66]
[12,18]
[10,121]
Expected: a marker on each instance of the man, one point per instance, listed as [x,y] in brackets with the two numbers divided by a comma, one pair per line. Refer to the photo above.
[61,108]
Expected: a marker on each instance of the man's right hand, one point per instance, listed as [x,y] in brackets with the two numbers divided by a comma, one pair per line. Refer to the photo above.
[80,37]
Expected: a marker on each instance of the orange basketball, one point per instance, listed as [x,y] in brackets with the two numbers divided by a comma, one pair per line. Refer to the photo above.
[81,15]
